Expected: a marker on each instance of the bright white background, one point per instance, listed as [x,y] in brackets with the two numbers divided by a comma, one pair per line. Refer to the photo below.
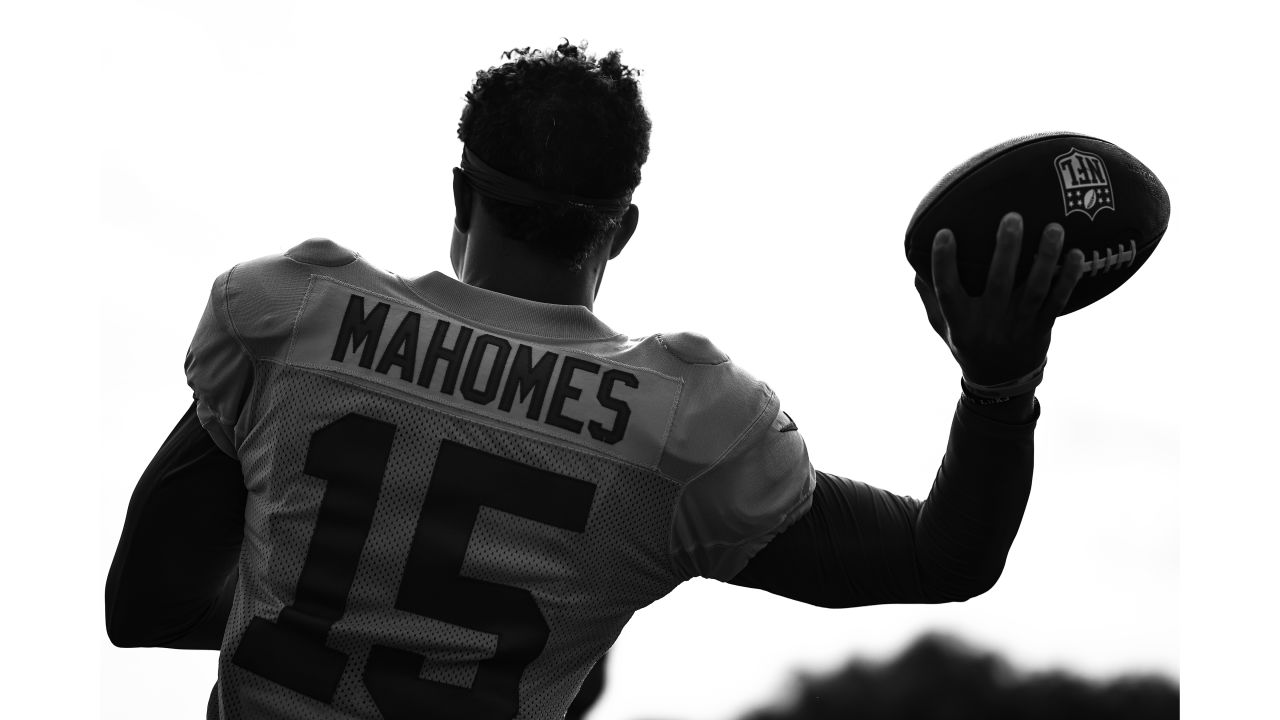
[150,145]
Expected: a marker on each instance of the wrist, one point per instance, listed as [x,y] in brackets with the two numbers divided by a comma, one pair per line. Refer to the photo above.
[987,394]
[1017,410]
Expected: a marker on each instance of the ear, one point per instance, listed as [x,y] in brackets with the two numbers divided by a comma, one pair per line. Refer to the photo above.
[461,201]
[630,219]
[461,222]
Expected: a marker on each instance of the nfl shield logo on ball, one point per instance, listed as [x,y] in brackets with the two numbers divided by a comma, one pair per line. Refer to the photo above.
[1085,182]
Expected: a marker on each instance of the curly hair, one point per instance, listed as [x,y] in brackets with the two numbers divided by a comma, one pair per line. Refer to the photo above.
[565,121]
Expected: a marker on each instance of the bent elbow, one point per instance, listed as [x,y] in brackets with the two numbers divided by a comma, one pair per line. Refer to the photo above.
[122,638]
[117,633]
[124,629]
[966,588]
[978,588]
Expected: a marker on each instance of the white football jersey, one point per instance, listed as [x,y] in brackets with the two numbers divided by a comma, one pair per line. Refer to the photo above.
[457,498]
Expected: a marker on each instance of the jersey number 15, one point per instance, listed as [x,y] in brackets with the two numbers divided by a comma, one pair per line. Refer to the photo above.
[351,456]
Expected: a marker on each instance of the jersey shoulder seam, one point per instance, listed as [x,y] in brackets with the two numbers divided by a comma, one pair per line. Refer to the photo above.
[684,487]
[666,345]
[230,327]
[231,320]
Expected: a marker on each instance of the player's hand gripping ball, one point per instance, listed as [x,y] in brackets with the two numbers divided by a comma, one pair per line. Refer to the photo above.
[1002,334]
[1112,208]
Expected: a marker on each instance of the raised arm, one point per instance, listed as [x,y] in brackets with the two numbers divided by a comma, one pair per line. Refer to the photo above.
[859,545]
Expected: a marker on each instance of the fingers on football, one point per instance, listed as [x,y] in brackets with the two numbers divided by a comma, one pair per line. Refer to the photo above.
[1005,261]
[1042,269]
[1072,271]
[946,276]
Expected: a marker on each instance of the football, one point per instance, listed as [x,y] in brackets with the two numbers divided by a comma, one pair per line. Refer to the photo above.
[1110,205]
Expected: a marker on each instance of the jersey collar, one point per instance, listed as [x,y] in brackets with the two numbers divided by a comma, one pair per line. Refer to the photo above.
[511,315]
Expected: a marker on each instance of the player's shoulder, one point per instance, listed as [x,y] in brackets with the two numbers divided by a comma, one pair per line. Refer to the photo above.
[260,298]
[321,252]
[716,384]
[285,274]
[301,260]
[691,348]
[742,465]
[707,370]
[701,365]
[720,400]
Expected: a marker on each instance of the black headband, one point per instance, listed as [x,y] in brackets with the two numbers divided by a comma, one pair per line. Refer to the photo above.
[498,185]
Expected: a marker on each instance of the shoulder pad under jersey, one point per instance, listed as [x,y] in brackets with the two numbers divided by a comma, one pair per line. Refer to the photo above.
[321,251]
[692,348]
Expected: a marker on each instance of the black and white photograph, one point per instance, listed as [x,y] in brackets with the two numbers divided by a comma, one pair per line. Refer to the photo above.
[930,376]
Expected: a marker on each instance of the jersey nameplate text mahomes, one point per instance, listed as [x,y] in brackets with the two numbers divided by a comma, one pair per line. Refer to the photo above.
[605,406]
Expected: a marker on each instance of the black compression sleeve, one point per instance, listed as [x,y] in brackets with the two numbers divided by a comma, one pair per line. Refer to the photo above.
[859,545]
[173,577]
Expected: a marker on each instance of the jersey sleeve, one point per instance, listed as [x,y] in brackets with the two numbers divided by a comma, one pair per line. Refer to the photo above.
[173,577]
[757,489]
[249,318]
[219,368]
[860,545]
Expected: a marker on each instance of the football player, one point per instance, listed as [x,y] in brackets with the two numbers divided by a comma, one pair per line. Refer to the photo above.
[425,497]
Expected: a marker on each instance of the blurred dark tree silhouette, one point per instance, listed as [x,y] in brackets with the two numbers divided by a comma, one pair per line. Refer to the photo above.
[941,678]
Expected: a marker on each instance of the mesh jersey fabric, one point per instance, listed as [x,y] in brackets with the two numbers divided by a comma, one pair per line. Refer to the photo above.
[457,498]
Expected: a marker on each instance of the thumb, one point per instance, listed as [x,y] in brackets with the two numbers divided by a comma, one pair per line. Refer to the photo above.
[931,307]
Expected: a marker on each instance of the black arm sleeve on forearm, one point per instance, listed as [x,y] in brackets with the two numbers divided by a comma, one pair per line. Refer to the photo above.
[174,575]
[859,545]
